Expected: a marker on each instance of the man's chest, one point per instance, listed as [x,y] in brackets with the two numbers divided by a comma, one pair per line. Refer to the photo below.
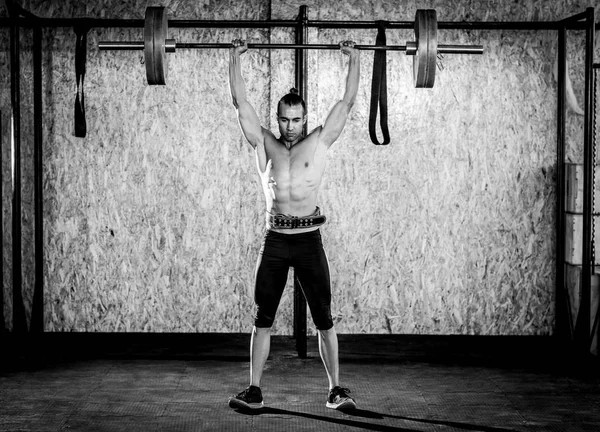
[296,165]
[302,158]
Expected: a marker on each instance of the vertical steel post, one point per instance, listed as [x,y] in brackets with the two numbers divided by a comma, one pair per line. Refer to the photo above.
[563,321]
[37,310]
[19,319]
[582,330]
[2,324]
[301,85]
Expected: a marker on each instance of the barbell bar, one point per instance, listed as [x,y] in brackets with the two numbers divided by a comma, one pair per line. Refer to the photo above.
[139,46]
[424,49]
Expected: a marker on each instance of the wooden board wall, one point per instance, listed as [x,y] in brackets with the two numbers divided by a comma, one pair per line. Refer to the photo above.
[6,305]
[153,221]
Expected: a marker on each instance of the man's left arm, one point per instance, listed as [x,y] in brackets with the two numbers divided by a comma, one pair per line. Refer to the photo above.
[334,124]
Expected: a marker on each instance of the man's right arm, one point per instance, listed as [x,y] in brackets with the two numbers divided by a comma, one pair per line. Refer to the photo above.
[332,128]
[248,119]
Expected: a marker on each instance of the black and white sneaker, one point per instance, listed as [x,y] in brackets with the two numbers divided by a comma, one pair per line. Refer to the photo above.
[251,398]
[338,399]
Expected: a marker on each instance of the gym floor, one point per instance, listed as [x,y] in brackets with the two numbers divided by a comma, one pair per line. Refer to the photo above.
[111,382]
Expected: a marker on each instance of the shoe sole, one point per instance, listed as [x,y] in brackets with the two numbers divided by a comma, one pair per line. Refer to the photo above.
[348,404]
[236,403]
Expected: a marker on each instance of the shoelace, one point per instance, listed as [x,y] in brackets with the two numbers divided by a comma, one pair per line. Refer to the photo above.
[245,393]
[341,392]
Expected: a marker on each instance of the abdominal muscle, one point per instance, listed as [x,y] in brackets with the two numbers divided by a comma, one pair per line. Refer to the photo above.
[297,201]
[295,188]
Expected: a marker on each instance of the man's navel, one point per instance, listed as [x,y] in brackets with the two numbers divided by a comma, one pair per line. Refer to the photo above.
[306,164]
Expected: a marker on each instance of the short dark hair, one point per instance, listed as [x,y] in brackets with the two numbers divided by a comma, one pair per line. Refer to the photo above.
[291,99]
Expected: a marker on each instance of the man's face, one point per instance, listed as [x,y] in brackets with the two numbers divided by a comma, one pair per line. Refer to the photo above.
[291,120]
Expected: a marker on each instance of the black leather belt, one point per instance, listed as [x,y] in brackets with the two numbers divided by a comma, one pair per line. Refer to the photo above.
[292,222]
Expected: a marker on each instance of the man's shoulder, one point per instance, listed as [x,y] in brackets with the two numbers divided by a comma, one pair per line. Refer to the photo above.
[312,141]
[316,131]
[268,134]
[313,135]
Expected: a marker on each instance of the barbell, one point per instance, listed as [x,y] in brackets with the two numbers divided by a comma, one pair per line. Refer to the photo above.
[424,48]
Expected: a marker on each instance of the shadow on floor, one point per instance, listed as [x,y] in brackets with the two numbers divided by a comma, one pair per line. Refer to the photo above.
[368,414]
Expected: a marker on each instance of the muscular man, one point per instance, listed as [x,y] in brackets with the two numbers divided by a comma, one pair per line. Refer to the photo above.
[291,168]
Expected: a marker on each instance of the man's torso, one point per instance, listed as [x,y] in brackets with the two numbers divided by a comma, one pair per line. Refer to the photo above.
[297,173]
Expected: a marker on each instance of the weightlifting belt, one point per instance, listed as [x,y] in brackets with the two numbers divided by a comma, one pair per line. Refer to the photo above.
[293,222]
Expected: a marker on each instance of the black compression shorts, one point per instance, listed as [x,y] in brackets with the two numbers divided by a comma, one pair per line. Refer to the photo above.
[305,253]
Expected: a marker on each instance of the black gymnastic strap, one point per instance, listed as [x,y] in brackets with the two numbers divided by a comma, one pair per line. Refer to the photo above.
[80,57]
[379,90]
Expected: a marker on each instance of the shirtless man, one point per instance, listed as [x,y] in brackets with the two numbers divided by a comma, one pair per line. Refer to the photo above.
[291,168]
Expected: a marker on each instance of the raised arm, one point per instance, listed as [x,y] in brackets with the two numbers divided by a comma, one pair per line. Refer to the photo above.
[334,124]
[247,117]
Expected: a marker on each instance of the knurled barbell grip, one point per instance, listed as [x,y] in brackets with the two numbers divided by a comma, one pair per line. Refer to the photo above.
[120,46]
[410,47]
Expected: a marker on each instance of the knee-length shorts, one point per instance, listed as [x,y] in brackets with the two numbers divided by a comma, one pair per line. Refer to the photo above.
[304,252]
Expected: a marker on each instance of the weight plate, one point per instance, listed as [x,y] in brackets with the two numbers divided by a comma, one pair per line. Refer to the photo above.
[155,34]
[424,61]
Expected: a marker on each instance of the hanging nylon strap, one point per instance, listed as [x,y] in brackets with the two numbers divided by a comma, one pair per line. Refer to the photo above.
[80,57]
[379,91]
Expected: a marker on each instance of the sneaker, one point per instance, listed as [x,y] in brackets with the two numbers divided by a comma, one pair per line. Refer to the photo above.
[338,399]
[251,398]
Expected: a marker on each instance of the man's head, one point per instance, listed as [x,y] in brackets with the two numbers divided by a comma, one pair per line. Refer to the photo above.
[291,116]
[291,99]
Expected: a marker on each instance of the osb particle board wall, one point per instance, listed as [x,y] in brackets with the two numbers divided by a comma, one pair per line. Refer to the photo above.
[154,220]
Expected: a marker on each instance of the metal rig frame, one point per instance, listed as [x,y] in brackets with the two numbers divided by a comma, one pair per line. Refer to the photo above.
[582,21]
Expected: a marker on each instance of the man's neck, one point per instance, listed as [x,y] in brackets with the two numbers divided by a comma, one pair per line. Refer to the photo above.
[290,144]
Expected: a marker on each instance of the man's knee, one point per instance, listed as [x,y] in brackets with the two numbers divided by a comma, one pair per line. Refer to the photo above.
[263,321]
[262,330]
[264,316]
[326,332]
[323,322]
